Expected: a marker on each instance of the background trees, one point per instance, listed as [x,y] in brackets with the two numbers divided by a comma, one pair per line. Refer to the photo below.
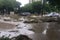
[55,4]
[8,5]
[32,7]
[17,7]
[36,7]
[27,8]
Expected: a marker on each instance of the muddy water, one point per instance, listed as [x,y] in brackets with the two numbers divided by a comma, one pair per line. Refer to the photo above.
[53,32]
[39,31]
[36,31]
[46,31]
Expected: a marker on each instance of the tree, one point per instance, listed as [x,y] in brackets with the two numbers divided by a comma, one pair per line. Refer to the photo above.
[27,8]
[32,7]
[55,3]
[8,5]
[17,7]
[37,6]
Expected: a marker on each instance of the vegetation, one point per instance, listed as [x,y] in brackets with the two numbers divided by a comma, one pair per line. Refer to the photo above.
[8,5]
[38,7]
[47,6]
[34,7]
[27,8]
[55,4]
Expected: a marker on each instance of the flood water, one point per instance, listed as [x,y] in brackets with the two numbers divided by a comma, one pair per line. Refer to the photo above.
[46,31]
[36,31]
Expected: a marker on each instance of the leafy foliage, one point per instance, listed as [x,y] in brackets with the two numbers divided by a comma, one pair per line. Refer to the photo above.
[27,8]
[55,3]
[32,7]
[37,6]
[9,5]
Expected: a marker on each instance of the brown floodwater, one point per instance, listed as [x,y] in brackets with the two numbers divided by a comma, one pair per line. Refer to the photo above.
[38,31]
[5,26]
[45,31]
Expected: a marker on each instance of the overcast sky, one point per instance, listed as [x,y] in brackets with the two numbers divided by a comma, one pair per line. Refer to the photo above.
[23,2]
